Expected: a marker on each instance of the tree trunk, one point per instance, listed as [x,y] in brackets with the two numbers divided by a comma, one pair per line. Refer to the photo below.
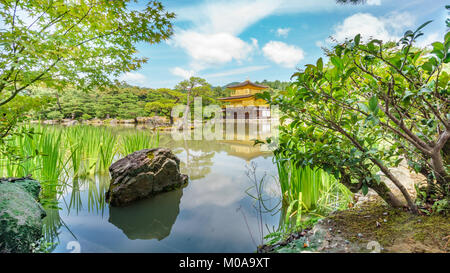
[399,185]
[186,111]
[386,194]
[383,169]
[381,189]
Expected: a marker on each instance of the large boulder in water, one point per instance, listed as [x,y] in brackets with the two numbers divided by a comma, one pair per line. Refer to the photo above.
[20,215]
[142,174]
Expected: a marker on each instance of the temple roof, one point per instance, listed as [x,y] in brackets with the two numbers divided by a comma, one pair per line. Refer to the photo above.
[247,82]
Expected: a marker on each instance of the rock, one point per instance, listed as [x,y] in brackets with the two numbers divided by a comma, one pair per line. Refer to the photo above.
[20,215]
[94,121]
[142,174]
[69,122]
[50,122]
[126,121]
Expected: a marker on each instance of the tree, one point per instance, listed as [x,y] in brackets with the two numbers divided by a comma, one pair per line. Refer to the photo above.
[373,105]
[194,86]
[83,43]
[163,106]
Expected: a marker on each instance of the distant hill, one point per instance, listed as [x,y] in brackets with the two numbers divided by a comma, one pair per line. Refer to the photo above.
[231,83]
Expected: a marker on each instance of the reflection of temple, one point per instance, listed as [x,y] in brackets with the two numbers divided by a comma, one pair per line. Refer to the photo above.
[244,149]
[243,104]
[240,138]
[151,218]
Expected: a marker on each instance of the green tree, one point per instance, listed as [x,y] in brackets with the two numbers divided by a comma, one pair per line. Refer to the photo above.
[163,106]
[83,43]
[373,105]
[195,86]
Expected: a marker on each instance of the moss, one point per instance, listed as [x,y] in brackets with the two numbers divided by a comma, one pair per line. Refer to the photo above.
[150,155]
[20,218]
[394,227]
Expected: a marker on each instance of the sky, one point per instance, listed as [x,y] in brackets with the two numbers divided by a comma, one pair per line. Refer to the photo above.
[235,40]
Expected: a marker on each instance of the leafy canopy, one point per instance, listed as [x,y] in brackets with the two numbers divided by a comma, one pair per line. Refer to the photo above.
[82,43]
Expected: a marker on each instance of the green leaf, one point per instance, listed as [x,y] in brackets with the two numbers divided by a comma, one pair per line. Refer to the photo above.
[337,62]
[437,46]
[373,103]
[447,39]
[364,189]
[407,95]
[422,26]
[428,66]
[319,64]
[357,39]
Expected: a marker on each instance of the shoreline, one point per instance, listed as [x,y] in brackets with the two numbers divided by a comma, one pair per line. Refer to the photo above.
[370,225]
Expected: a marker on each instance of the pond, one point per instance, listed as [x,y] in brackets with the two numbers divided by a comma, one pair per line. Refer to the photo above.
[215,212]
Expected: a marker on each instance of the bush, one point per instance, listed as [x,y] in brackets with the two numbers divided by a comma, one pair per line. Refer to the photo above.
[86,117]
[55,115]
[374,105]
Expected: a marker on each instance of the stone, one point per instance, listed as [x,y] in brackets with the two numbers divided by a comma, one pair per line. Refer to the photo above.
[126,121]
[142,174]
[20,215]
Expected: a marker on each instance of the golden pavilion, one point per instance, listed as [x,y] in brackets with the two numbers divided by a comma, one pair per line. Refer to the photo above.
[242,104]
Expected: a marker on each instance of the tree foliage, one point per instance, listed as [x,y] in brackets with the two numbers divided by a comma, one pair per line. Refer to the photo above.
[82,43]
[374,104]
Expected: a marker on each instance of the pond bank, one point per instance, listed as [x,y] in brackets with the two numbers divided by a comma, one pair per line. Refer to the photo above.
[370,225]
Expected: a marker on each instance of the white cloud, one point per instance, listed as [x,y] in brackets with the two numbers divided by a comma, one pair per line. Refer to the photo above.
[429,39]
[398,21]
[212,49]
[234,16]
[319,44]
[134,78]
[226,16]
[373,2]
[384,28]
[211,37]
[254,43]
[237,71]
[178,71]
[283,32]
[283,54]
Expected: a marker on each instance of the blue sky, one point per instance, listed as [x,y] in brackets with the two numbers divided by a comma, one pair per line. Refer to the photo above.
[227,41]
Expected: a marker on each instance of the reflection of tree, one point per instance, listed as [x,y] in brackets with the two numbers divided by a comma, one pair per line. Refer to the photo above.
[147,219]
[197,166]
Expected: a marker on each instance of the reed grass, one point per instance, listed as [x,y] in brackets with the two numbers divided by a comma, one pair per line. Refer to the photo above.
[138,141]
[53,155]
[308,191]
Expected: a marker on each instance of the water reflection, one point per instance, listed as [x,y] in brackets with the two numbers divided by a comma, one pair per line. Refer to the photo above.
[152,218]
[213,213]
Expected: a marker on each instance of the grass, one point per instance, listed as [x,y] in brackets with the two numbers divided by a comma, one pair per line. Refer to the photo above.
[307,193]
[55,154]
[138,141]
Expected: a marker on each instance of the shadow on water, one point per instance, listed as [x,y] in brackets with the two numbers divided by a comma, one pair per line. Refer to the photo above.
[151,218]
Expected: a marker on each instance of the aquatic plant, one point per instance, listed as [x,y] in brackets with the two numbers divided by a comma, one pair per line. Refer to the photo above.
[307,191]
[138,141]
[52,155]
